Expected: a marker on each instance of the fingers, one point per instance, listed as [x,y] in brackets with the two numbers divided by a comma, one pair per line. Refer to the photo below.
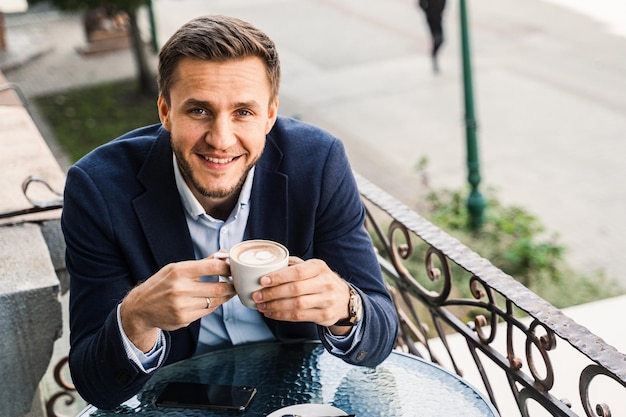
[305,291]
[175,296]
[202,298]
[298,270]
[293,260]
[212,295]
[212,265]
[322,309]
[221,254]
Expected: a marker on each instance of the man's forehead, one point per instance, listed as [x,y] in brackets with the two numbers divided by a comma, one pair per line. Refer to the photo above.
[238,81]
[252,65]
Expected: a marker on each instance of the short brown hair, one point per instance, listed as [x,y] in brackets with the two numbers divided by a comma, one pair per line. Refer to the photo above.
[217,38]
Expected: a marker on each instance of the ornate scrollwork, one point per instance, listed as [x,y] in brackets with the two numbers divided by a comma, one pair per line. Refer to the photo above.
[586,378]
[435,257]
[67,389]
[543,344]
[479,291]
[399,252]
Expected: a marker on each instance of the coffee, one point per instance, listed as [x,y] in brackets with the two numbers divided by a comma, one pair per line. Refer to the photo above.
[256,253]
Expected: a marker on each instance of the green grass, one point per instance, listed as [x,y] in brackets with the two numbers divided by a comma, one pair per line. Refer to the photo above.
[85,118]
[518,243]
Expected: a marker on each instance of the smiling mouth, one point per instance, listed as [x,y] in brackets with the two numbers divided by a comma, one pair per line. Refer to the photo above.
[219,160]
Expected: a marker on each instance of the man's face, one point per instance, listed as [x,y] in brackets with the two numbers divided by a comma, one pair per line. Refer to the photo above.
[218,116]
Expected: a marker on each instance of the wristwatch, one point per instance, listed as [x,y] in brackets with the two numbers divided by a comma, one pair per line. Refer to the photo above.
[355,309]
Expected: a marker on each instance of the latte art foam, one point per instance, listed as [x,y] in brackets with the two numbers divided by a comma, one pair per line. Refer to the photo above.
[258,255]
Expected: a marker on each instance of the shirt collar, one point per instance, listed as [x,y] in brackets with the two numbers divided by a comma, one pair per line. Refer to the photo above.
[192,205]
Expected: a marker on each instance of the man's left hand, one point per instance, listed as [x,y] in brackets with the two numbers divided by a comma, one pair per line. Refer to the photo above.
[305,291]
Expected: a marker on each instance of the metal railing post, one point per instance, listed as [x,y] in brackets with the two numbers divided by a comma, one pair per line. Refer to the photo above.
[475,201]
[153,34]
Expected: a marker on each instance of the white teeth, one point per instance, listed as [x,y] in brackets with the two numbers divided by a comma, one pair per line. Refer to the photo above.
[218,160]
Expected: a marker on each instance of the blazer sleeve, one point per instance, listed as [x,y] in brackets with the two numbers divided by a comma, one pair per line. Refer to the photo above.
[343,242]
[121,212]
[101,370]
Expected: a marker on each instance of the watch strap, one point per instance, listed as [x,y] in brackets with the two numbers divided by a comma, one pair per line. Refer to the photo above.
[355,309]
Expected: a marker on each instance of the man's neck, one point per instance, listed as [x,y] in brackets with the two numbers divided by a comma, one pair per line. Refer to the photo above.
[219,208]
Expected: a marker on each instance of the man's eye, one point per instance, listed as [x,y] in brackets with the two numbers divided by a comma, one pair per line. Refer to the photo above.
[198,111]
[244,113]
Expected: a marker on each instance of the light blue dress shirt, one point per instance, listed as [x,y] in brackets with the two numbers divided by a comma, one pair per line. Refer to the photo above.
[232,323]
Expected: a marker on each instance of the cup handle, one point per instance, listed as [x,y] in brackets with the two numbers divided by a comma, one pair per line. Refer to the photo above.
[223,255]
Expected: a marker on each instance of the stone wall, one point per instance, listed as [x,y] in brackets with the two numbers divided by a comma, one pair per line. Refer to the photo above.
[30,314]
[31,261]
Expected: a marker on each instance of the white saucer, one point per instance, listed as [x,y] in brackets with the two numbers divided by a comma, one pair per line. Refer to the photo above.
[309,410]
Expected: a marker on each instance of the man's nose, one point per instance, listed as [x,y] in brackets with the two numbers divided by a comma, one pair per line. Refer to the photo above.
[221,134]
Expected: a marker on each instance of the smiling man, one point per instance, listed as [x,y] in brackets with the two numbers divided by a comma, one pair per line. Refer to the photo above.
[144,214]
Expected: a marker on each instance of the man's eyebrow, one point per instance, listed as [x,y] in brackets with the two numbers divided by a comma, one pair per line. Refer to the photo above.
[199,103]
[250,104]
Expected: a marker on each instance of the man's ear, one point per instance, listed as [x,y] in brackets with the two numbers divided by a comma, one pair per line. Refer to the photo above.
[272,114]
[164,112]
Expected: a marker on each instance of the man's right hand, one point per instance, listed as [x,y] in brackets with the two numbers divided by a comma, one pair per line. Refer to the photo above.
[173,298]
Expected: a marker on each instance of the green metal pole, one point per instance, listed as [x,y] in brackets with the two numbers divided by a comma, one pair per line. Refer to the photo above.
[475,201]
[155,44]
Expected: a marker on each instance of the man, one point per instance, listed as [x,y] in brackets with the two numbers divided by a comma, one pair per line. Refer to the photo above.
[144,214]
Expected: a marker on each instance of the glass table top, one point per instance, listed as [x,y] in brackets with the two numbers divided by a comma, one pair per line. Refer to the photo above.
[289,374]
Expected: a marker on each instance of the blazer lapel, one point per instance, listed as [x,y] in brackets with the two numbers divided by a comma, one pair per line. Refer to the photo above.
[159,209]
[268,200]
[162,217]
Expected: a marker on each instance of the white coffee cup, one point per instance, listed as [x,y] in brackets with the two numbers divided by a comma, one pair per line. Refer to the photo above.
[249,261]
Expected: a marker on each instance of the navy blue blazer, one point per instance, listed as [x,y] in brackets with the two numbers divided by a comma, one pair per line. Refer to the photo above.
[123,220]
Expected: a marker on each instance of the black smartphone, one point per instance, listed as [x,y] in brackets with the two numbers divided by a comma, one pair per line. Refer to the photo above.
[205,396]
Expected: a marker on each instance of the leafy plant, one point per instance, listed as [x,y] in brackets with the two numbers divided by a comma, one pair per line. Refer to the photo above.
[518,243]
[511,238]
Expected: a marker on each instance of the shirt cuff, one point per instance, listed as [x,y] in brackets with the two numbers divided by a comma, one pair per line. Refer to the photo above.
[343,345]
[146,362]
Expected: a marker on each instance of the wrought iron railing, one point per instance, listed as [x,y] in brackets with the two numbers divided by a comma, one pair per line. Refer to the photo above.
[507,332]
[37,206]
[66,389]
